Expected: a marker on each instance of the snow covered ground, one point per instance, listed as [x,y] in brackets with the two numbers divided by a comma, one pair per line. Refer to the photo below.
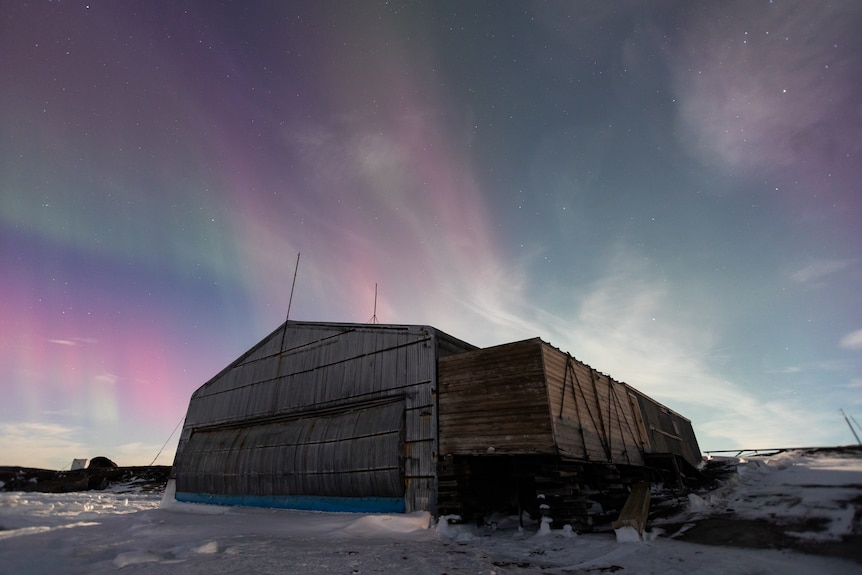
[814,498]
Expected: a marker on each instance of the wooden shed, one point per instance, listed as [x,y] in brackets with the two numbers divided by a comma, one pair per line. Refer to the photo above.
[400,418]
[524,420]
[319,416]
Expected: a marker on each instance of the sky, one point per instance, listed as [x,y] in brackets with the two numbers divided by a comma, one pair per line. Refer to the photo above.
[669,191]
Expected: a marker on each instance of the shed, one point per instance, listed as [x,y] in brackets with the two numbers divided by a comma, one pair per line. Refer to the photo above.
[528,424]
[324,416]
[400,418]
[529,397]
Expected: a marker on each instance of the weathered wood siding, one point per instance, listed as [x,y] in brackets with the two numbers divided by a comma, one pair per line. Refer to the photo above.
[364,411]
[530,397]
[668,431]
[494,399]
[591,412]
[320,385]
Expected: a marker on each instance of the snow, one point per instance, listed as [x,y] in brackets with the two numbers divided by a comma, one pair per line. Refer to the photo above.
[627,535]
[129,531]
[792,488]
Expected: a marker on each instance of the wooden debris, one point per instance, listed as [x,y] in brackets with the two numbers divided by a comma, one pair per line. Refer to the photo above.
[634,513]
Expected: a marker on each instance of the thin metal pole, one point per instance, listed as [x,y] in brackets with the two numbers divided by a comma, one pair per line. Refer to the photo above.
[850,426]
[289,301]
[153,462]
[293,285]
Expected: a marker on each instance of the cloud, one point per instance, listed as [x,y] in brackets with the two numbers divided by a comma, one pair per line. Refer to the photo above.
[819,269]
[787,370]
[107,378]
[852,340]
[74,341]
[775,425]
[54,446]
[754,93]
[407,182]
[46,445]
[138,453]
[636,325]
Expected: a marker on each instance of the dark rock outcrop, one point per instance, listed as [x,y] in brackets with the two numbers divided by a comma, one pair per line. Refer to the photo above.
[101,462]
[147,478]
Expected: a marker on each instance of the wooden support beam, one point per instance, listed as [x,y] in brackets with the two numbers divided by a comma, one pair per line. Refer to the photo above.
[633,516]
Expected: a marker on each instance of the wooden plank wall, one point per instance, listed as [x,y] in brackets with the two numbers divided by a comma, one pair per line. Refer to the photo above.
[494,400]
[592,416]
[669,432]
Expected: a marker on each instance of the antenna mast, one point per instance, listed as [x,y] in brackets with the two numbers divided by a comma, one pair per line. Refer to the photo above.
[374,317]
[290,301]
[850,426]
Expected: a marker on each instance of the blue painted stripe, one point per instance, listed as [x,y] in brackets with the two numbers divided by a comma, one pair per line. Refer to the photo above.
[303,502]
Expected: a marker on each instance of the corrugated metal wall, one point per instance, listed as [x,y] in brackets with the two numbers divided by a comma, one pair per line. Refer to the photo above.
[314,454]
[300,413]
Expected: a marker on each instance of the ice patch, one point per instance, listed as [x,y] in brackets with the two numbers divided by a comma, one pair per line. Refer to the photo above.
[136,558]
[697,504]
[369,525]
[169,497]
[207,548]
[444,529]
[457,531]
[545,527]
[9,533]
[627,534]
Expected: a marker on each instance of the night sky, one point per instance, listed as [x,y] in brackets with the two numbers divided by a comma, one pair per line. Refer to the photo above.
[670,191]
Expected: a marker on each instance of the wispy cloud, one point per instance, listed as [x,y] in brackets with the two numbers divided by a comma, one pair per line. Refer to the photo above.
[852,340]
[54,445]
[135,451]
[74,341]
[764,110]
[821,366]
[819,269]
[632,324]
[789,370]
[108,378]
[775,425]
[47,445]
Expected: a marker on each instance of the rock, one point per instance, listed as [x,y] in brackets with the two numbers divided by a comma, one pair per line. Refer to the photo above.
[101,462]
